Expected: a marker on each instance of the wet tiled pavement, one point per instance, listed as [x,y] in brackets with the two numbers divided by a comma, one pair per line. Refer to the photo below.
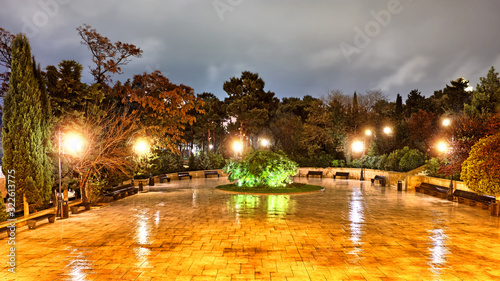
[187,230]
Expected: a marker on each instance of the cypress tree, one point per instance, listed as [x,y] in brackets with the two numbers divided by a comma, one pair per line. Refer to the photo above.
[398,111]
[23,136]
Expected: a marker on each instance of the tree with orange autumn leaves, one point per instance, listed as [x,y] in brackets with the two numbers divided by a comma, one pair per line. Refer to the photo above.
[162,108]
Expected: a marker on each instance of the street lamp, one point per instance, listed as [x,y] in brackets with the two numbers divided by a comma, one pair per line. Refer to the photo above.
[237,147]
[443,148]
[387,130]
[264,143]
[358,147]
[141,148]
[73,143]
[446,122]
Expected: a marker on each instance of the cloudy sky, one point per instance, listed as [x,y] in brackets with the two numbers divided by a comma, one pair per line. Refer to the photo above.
[298,47]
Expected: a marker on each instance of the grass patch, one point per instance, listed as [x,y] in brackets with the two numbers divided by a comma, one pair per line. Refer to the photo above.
[290,188]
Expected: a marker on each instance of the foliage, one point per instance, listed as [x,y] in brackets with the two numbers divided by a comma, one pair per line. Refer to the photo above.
[432,167]
[480,170]
[262,168]
[338,163]
[26,129]
[404,160]
[486,97]
[6,39]
[319,160]
[192,163]
[108,146]
[249,103]
[422,129]
[3,211]
[216,160]
[163,108]
[412,159]
[108,57]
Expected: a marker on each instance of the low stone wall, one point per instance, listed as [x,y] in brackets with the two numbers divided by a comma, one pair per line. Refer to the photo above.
[409,181]
[417,180]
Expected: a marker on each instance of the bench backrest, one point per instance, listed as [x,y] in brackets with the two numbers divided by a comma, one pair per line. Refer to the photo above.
[341,174]
[474,196]
[377,177]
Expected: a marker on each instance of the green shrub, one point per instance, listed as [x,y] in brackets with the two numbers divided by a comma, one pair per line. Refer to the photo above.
[432,167]
[411,160]
[338,163]
[262,168]
[217,160]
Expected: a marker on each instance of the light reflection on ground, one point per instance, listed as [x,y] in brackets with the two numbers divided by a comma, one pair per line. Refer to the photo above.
[351,230]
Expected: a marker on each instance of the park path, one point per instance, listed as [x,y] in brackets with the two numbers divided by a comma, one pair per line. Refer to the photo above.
[187,230]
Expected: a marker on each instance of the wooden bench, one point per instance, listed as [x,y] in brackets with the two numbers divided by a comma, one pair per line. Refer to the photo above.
[163,177]
[120,191]
[341,174]
[314,173]
[472,198]
[32,221]
[184,174]
[435,190]
[380,179]
[212,173]
[74,208]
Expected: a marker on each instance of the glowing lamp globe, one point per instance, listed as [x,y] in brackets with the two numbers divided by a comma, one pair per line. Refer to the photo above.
[237,146]
[73,143]
[442,146]
[141,147]
[387,130]
[357,146]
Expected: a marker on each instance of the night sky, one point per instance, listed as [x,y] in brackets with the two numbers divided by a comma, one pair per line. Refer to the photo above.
[298,47]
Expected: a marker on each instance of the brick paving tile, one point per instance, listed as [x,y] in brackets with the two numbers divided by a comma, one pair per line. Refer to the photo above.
[187,230]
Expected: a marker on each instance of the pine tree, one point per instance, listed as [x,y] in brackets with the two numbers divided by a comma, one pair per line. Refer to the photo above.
[23,137]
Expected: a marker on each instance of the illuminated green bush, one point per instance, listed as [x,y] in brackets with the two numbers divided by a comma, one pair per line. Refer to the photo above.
[262,168]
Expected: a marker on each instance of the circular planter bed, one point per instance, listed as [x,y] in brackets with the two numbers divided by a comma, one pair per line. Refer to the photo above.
[293,188]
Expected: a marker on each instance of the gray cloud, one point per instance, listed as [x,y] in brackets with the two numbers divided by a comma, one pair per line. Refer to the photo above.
[294,45]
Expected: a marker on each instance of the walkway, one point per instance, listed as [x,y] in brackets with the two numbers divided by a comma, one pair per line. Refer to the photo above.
[187,230]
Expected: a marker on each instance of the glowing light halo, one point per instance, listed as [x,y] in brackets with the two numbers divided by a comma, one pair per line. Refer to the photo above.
[73,143]
[141,146]
[357,146]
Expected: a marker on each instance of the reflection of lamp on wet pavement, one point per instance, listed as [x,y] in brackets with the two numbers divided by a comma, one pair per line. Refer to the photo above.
[72,144]
[358,147]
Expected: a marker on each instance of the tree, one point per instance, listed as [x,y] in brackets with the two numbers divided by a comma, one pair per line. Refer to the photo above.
[109,138]
[69,96]
[162,108]
[398,111]
[465,132]
[24,130]
[108,57]
[452,98]
[6,39]
[415,102]
[249,103]
[422,129]
[486,97]
[480,170]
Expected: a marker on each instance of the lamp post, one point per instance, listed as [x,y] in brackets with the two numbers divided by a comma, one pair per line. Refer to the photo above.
[141,148]
[444,148]
[73,144]
[358,147]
